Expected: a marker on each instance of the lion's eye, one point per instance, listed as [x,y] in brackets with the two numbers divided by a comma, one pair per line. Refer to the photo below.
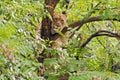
[55,19]
[62,21]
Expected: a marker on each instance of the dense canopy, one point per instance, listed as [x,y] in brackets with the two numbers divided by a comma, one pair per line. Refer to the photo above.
[92,51]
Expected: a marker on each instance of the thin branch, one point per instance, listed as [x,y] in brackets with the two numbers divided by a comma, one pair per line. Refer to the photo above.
[96,34]
[93,9]
[67,3]
[101,43]
[31,23]
[100,33]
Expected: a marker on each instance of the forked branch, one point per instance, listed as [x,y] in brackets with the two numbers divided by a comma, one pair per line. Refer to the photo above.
[50,5]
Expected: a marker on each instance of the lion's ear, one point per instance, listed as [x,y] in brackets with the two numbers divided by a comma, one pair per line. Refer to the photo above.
[64,13]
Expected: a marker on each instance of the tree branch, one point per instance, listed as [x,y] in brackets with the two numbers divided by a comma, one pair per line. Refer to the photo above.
[79,24]
[100,33]
[96,34]
[50,5]
[92,19]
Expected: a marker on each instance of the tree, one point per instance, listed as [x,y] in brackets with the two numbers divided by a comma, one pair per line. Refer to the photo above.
[93,46]
[104,15]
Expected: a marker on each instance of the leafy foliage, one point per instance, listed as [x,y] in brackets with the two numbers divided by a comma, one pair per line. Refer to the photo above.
[18,36]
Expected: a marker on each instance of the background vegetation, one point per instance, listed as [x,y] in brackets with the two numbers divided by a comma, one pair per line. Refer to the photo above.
[18,41]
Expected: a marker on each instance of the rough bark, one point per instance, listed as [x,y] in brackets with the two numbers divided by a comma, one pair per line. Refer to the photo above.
[50,5]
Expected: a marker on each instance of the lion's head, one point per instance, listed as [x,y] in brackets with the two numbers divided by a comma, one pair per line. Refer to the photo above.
[59,22]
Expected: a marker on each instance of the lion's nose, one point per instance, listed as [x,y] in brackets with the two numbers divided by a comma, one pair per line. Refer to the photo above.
[57,24]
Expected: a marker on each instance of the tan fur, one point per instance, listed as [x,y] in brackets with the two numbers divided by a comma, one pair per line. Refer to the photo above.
[96,78]
[60,42]
[59,22]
